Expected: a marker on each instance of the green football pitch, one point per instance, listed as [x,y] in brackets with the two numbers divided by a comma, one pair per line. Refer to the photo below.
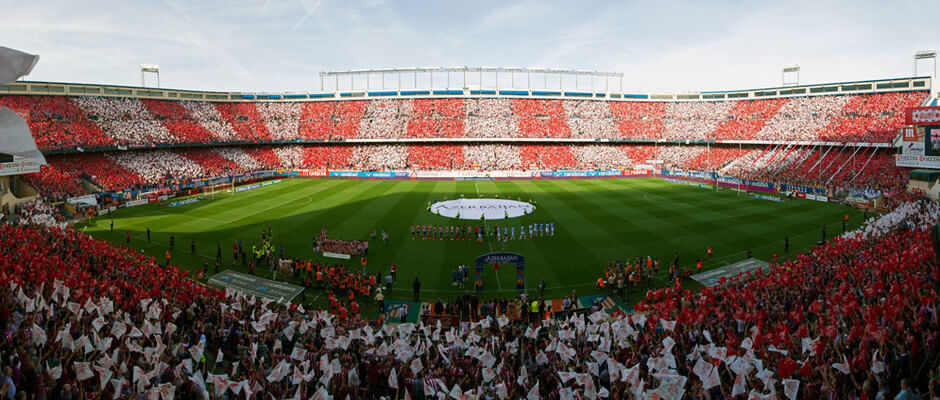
[596,222]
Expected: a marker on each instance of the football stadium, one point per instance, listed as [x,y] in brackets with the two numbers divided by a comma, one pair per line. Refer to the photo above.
[466,232]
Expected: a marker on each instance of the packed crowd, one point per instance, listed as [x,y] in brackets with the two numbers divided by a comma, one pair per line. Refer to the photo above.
[54,183]
[835,167]
[67,123]
[38,212]
[830,167]
[854,318]
[522,307]
[99,169]
[57,122]
[914,211]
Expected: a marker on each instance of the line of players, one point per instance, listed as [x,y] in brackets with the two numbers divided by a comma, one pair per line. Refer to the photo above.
[479,233]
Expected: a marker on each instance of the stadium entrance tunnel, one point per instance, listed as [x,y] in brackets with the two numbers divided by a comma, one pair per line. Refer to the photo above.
[477,209]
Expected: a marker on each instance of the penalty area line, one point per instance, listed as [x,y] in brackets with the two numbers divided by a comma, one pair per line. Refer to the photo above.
[308,196]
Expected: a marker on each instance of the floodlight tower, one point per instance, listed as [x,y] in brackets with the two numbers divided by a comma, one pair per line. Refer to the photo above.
[790,69]
[927,55]
[149,68]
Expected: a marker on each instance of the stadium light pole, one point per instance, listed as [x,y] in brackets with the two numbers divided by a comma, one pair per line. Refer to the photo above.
[149,68]
[790,69]
[927,55]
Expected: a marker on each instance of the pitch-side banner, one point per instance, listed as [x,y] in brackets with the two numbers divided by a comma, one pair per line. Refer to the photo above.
[19,165]
[313,172]
[917,161]
[579,174]
[88,199]
[368,174]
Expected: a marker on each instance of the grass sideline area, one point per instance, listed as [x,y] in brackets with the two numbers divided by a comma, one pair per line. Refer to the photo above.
[596,221]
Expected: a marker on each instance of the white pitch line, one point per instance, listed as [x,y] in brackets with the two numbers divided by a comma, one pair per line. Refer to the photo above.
[485,226]
[279,204]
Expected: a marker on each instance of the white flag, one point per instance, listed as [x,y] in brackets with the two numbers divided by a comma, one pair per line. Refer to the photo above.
[97,323]
[668,325]
[118,329]
[298,353]
[631,375]
[668,343]
[117,384]
[876,365]
[39,335]
[56,372]
[790,388]
[534,392]
[740,385]
[455,392]
[104,374]
[712,380]
[809,345]
[83,370]
[14,64]
[416,366]
[353,378]
[393,378]
[844,366]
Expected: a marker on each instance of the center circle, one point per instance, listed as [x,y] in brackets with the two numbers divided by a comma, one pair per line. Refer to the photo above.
[490,209]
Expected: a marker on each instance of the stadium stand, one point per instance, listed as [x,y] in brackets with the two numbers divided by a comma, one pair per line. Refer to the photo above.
[438,157]
[832,167]
[57,122]
[54,183]
[63,123]
[850,318]
[547,157]
[433,118]
[211,162]
[245,119]
[92,319]
[174,116]
[540,118]
[331,120]
[327,157]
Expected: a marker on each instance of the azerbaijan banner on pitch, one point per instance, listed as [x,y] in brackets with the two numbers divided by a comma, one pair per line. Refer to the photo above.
[500,258]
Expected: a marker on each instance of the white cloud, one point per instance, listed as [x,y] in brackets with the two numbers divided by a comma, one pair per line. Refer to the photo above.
[282,45]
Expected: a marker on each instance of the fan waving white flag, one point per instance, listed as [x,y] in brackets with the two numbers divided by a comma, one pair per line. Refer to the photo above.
[14,64]
[393,378]
[15,137]
[534,392]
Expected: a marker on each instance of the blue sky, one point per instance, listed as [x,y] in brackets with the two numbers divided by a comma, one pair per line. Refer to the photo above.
[660,46]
